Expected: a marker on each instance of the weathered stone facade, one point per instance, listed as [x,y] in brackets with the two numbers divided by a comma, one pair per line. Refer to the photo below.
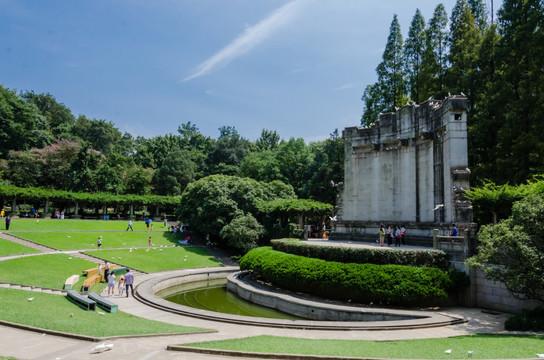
[410,167]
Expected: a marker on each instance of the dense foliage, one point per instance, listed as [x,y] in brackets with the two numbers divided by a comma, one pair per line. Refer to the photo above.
[512,251]
[419,258]
[499,68]
[211,203]
[43,145]
[527,320]
[362,283]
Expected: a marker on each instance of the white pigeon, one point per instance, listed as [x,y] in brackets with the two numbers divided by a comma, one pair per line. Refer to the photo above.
[68,236]
[70,258]
[100,313]
[38,220]
[160,249]
[30,299]
[119,258]
[102,347]
[540,356]
[470,353]
[448,351]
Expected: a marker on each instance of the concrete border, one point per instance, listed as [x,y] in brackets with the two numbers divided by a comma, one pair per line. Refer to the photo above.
[146,293]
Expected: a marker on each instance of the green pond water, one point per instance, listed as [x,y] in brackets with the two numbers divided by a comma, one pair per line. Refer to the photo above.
[213,295]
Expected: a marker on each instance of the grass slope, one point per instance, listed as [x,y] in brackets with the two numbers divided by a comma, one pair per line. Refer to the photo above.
[484,346]
[11,248]
[50,270]
[87,240]
[159,259]
[52,312]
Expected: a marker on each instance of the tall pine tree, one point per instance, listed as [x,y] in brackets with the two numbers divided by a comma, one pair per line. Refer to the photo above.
[391,76]
[413,54]
[434,61]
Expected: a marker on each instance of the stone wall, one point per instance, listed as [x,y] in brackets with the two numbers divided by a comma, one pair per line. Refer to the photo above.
[411,168]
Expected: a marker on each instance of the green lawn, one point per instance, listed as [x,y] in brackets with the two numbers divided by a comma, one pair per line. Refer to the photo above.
[11,248]
[159,259]
[52,312]
[87,240]
[87,225]
[50,270]
[484,347]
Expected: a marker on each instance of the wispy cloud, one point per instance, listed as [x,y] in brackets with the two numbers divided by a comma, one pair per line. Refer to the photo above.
[345,87]
[250,38]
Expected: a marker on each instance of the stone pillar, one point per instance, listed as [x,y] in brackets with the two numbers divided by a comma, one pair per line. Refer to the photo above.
[46,209]
[76,209]
[131,210]
[14,206]
[435,238]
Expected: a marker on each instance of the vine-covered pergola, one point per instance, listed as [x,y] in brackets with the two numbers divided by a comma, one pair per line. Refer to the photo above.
[41,197]
[303,208]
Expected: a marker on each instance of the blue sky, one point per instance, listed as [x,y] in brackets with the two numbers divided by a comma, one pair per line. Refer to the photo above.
[295,66]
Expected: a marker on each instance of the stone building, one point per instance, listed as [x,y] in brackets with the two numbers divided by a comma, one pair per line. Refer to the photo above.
[411,168]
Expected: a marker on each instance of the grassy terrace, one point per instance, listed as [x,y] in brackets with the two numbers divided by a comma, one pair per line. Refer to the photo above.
[84,225]
[483,347]
[55,312]
[9,248]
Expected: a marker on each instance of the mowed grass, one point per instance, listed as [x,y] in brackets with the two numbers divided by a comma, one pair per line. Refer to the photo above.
[11,248]
[484,346]
[52,312]
[159,259]
[87,240]
[49,270]
[82,225]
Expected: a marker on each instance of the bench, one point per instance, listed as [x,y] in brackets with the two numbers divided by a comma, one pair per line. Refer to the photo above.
[88,283]
[103,303]
[81,300]
[91,272]
[120,271]
[71,281]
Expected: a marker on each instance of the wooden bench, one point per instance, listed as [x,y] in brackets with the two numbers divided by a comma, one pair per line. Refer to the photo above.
[91,272]
[71,281]
[103,303]
[88,283]
[81,300]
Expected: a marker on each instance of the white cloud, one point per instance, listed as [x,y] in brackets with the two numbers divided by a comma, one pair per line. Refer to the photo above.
[250,38]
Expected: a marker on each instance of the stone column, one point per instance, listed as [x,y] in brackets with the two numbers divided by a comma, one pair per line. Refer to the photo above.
[435,238]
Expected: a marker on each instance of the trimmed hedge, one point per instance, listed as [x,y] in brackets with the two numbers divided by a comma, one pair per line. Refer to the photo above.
[361,283]
[419,258]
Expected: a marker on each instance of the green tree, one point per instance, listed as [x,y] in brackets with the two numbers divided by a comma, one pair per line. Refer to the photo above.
[24,168]
[261,166]
[137,180]
[478,8]
[59,117]
[269,140]
[413,53]
[242,233]
[294,159]
[391,76]
[464,44]
[372,99]
[211,203]
[102,135]
[177,170]
[512,251]
[229,152]
[434,59]
[326,169]
[22,126]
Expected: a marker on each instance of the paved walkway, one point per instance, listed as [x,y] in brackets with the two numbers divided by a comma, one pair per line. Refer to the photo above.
[31,345]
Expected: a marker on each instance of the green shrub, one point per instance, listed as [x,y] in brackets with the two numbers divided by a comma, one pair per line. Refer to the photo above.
[528,320]
[362,283]
[419,258]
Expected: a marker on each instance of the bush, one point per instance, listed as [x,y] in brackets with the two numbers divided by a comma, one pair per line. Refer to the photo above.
[528,320]
[363,283]
[242,233]
[419,258]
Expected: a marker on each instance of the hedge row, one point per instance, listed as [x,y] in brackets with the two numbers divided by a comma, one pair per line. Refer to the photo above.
[361,283]
[420,258]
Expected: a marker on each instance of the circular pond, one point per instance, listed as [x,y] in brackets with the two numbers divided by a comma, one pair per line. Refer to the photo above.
[316,314]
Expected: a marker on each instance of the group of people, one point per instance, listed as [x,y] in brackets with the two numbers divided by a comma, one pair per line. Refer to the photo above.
[397,235]
[316,230]
[124,283]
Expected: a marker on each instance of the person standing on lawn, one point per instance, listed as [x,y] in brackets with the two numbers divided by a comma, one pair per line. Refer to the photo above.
[130,225]
[8,222]
[99,242]
[129,281]
[111,283]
